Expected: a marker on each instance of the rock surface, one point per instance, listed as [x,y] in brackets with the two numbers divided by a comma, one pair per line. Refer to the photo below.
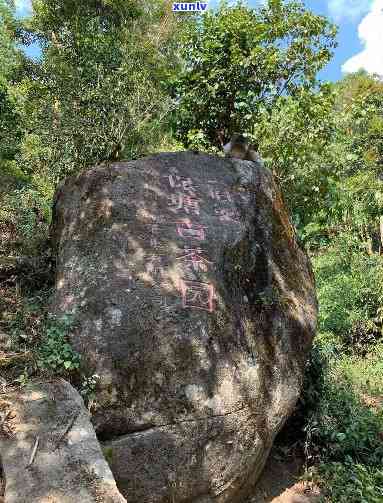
[196,307]
[68,465]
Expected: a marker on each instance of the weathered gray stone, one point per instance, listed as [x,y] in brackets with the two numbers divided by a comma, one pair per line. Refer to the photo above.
[196,307]
[68,466]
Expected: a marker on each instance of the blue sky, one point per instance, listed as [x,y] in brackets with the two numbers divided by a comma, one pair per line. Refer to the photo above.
[350,54]
[360,35]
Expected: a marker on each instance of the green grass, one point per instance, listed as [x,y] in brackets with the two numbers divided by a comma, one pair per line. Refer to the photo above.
[345,427]
[365,373]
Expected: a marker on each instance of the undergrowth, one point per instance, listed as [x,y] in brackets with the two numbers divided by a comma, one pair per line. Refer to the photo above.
[54,353]
[344,424]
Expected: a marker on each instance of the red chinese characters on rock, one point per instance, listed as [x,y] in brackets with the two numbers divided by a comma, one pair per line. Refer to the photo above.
[183,202]
[188,230]
[223,196]
[220,195]
[194,259]
[197,295]
[183,184]
[184,198]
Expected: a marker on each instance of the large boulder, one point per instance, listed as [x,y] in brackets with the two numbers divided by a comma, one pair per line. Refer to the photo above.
[195,305]
[49,450]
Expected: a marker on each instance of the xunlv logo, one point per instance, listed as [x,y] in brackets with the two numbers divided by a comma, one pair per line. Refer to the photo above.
[196,6]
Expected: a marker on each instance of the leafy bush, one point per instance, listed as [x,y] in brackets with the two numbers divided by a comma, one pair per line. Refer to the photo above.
[344,428]
[350,291]
[55,353]
[314,377]
[238,61]
[25,323]
[344,432]
[365,373]
[352,483]
[27,211]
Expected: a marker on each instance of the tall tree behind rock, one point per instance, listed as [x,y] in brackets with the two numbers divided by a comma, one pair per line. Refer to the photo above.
[97,94]
[239,61]
[9,59]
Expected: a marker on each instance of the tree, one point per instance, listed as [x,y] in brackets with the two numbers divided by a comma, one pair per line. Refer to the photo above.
[326,149]
[294,138]
[332,172]
[239,61]
[7,48]
[97,94]
[359,109]
[10,61]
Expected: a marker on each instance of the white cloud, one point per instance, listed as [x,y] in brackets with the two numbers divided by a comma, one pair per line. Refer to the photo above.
[348,9]
[370,31]
[23,7]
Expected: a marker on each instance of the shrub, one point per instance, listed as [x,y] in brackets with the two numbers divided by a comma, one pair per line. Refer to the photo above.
[27,211]
[352,483]
[344,430]
[343,427]
[350,291]
[55,354]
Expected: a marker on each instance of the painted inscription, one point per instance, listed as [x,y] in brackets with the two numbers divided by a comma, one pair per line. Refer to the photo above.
[220,195]
[183,202]
[186,229]
[194,258]
[183,184]
[197,295]
[184,199]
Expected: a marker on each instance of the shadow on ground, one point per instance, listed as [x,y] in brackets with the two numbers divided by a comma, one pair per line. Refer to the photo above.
[280,483]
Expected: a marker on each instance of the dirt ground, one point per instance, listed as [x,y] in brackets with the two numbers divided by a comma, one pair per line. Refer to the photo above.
[279,483]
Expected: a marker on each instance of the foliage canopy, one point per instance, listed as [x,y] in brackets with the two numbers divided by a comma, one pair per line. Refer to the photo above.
[238,61]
